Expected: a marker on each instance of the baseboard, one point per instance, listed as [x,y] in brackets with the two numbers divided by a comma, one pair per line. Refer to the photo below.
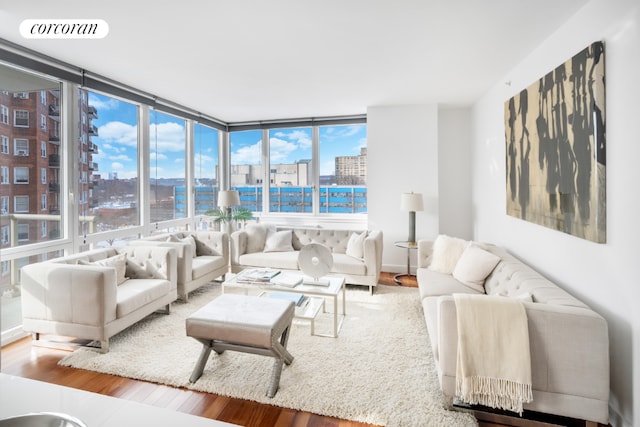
[528,419]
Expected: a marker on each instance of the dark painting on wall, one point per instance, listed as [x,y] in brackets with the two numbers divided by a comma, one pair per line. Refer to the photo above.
[556,148]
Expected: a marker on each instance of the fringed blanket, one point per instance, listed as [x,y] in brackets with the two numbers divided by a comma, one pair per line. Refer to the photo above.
[494,363]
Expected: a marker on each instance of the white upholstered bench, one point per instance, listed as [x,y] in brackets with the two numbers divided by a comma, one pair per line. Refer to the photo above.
[243,323]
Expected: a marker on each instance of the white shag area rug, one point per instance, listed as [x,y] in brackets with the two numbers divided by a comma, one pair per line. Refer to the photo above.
[380,370]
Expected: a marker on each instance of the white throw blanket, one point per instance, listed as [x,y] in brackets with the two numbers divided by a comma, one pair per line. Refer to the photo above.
[494,364]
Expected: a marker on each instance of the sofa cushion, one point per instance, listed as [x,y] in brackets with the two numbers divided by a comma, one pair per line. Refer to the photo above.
[134,294]
[433,283]
[282,260]
[345,264]
[278,241]
[446,253]
[256,237]
[355,245]
[474,266]
[119,262]
[205,264]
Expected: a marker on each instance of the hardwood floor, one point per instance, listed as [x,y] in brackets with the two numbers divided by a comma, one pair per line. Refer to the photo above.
[24,360]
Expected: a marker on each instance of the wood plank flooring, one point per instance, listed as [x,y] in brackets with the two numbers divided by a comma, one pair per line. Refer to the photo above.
[22,359]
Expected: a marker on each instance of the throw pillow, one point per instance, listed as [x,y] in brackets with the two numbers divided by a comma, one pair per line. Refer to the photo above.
[355,245]
[203,249]
[256,237]
[156,272]
[279,241]
[119,262]
[189,240]
[446,253]
[474,266]
[135,271]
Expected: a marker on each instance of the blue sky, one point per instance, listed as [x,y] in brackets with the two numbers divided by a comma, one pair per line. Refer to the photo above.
[117,142]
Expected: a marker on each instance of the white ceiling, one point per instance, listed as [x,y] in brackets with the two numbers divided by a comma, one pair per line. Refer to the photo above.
[246,60]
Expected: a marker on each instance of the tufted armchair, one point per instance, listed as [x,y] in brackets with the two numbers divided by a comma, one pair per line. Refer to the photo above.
[202,256]
[88,295]
[359,262]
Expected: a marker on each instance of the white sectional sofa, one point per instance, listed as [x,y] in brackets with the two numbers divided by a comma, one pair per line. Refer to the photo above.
[569,342]
[97,293]
[202,256]
[260,245]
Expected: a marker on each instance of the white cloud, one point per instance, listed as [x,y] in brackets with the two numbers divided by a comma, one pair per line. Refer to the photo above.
[116,166]
[280,149]
[328,167]
[249,154]
[167,137]
[106,104]
[118,133]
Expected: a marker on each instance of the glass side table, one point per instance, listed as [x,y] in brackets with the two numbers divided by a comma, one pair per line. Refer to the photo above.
[409,246]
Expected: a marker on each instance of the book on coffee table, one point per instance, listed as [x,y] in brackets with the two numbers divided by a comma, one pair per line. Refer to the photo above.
[287,280]
[262,275]
[297,299]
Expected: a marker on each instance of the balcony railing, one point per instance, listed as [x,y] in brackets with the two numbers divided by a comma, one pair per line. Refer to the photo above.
[54,187]
[54,160]
[54,110]
[93,130]
[93,112]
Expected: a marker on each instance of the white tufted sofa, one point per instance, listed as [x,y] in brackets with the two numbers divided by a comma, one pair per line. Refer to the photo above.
[248,245]
[63,297]
[569,342]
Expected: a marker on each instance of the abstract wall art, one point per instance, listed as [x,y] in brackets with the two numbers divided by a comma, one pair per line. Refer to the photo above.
[556,148]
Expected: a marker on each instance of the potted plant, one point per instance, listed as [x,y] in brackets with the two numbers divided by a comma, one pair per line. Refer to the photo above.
[230,216]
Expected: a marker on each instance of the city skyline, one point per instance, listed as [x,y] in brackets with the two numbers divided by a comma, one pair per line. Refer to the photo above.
[117,140]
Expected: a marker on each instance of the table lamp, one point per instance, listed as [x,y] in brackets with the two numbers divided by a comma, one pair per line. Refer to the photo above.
[411,202]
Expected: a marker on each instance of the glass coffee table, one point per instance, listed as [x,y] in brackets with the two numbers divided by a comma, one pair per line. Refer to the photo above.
[316,296]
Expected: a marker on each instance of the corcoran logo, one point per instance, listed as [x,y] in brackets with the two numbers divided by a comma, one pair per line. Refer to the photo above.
[64,29]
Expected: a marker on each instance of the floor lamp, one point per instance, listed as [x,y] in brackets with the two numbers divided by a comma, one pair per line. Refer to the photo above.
[411,202]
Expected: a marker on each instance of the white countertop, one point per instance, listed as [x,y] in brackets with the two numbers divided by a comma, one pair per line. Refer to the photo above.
[20,396]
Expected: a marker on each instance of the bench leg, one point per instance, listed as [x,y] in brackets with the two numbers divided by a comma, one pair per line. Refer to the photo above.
[200,364]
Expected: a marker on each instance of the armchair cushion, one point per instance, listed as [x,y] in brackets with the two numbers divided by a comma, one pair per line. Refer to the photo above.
[137,271]
[119,262]
[202,249]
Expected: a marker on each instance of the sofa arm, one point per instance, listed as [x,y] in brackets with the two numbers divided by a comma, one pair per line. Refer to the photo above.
[239,242]
[569,348]
[68,293]
[373,253]
[425,249]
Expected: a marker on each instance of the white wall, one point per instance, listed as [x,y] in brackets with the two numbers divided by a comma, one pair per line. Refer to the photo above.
[454,182]
[402,156]
[605,276]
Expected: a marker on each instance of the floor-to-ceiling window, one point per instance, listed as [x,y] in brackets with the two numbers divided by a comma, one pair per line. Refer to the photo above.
[108,196]
[343,169]
[290,170]
[246,168]
[30,185]
[205,168]
[168,165]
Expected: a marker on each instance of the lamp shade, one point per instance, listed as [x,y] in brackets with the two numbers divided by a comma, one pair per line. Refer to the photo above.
[228,198]
[411,202]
